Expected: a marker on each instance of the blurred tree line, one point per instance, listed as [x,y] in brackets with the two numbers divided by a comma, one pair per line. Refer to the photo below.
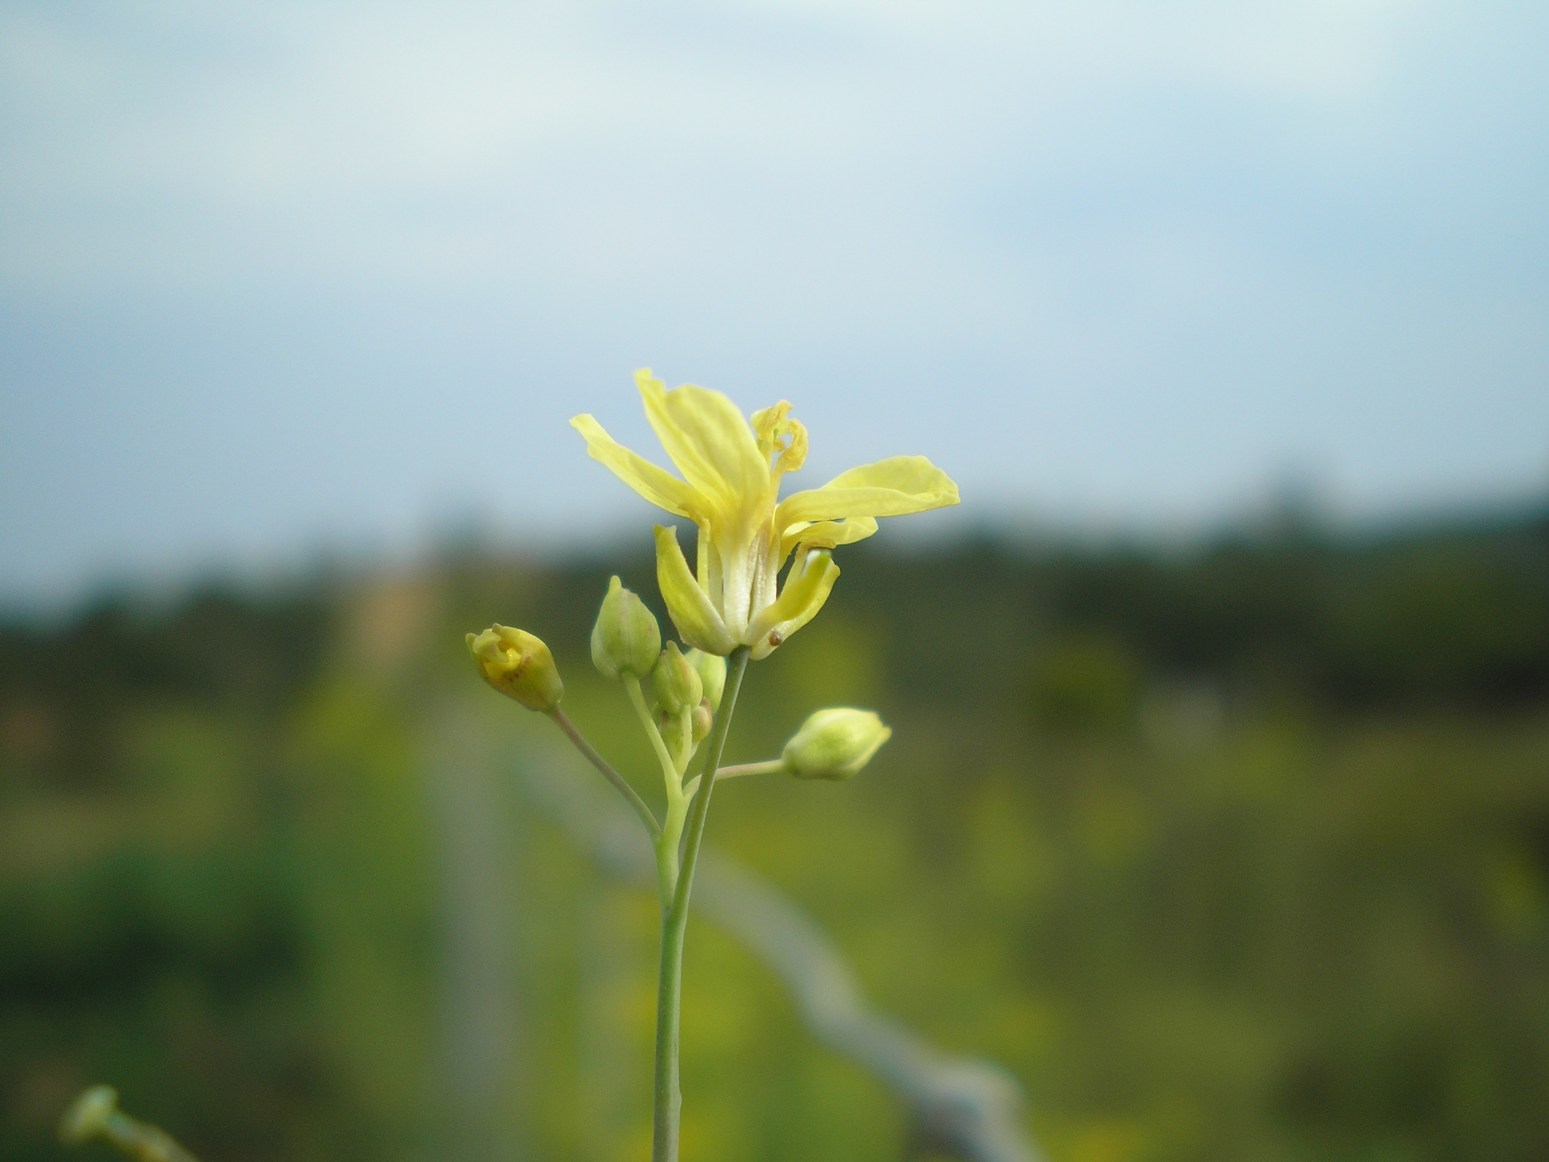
[1231,850]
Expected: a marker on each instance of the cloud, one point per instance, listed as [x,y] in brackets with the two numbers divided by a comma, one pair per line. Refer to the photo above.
[1179,245]
[409,135]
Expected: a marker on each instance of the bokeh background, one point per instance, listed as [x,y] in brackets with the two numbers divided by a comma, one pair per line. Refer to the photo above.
[1217,810]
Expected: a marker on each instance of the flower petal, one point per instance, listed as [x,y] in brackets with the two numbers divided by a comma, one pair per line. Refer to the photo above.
[891,487]
[709,441]
[827,534]
[807,587]
[657,485]
[699,623]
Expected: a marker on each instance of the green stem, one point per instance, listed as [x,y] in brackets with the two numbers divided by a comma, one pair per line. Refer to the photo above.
[669,999]
[670,773]
[738,771]
[667,844]
[666,840]
[619,782]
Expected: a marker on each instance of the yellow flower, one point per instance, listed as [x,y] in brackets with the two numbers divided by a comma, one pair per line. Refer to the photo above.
[730,488]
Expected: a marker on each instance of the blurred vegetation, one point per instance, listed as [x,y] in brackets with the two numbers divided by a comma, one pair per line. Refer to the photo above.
[1235,850]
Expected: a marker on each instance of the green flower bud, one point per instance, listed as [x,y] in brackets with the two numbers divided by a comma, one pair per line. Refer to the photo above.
[834,744]
[704,718]
[671,726]
[712,675]
[519,665]
[626,638]
[95,1114]
[88,1115]
[676,682]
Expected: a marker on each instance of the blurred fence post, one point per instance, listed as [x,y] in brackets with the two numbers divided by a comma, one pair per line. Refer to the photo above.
[479,1005]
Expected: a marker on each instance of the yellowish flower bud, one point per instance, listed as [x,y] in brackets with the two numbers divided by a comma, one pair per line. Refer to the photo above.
[519,665]
[834,744]
[712,675]
[626,638]
[675,681]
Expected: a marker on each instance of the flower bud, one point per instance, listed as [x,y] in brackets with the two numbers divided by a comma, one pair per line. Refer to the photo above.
[704,718]
[625,639]
[519,665]
[678,740]
[675,681]
[712,675]
[89,1115]
[95,1114]
[834,744]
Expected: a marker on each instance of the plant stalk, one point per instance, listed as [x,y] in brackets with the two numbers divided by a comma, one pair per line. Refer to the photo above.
[620,784]
[669,997]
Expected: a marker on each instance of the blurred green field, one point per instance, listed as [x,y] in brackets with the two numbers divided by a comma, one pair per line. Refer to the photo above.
[1235,850]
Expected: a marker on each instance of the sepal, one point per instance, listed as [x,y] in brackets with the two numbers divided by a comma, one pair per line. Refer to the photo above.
[807,587]
[699,622]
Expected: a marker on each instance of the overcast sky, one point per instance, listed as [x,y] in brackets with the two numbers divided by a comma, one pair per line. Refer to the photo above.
[285,277]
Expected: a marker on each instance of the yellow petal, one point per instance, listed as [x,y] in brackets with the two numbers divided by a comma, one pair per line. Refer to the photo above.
[806,589]
[827,534]
[709,441]
[892,487]
[657,485]
[699,623]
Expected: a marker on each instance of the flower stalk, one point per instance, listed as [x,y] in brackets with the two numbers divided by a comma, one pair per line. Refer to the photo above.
[669,996]
[638,805]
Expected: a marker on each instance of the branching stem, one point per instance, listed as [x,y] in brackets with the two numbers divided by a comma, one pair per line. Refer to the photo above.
[631,796]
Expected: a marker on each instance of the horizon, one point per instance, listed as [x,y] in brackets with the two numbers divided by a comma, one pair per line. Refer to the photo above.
[1265,526]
